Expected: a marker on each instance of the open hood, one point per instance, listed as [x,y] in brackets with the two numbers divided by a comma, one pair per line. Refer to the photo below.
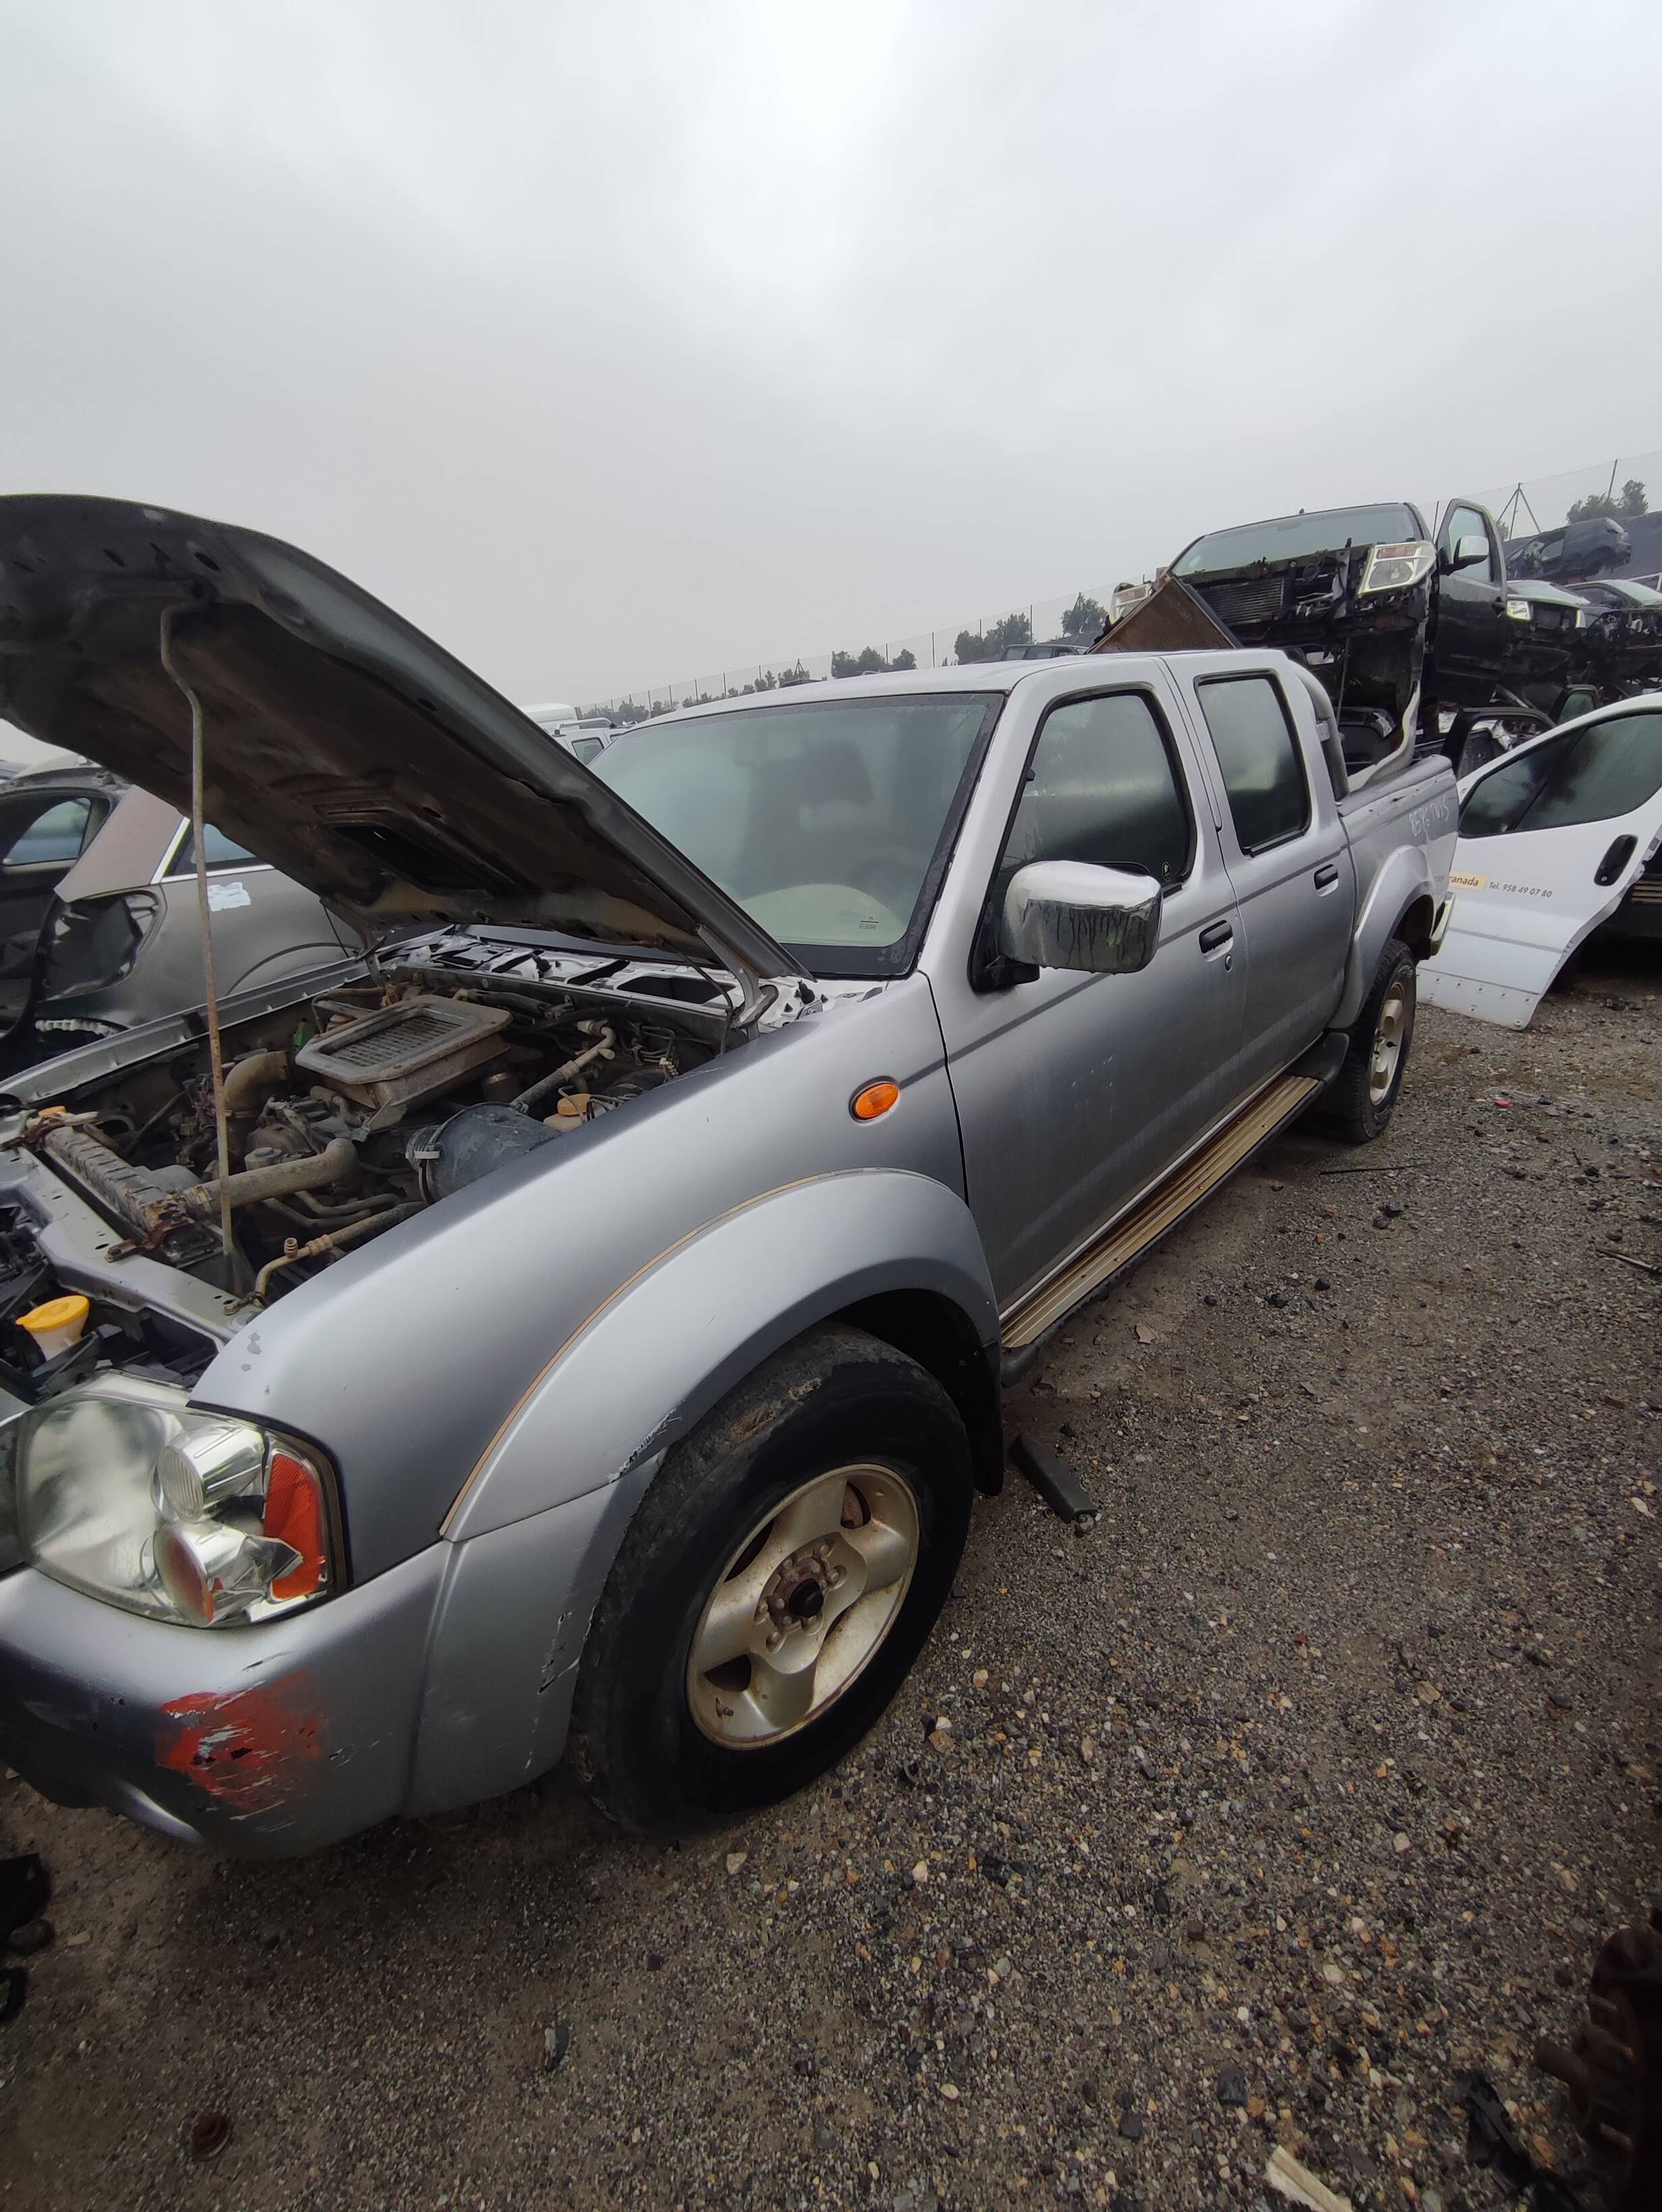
[340,743]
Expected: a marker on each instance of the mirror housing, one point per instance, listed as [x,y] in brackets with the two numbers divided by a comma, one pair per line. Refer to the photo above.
[1467,551]
[1070,913]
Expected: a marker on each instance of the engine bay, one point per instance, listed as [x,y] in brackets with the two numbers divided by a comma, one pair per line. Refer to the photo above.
[351,1111]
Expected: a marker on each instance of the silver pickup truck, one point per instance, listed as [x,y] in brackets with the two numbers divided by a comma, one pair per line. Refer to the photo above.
[589,1328]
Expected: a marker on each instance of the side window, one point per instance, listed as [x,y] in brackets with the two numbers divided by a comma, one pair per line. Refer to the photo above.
[54,837]
[1594,774]
[1257,749]
[221,852]
[1103,787]
[1466,522]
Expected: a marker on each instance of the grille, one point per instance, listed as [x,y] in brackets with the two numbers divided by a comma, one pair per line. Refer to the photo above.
[1256,599]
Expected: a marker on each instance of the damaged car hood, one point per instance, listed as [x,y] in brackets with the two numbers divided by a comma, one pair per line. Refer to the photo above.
[339,743]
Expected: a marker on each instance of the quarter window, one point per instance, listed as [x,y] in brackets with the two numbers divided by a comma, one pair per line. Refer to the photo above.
[221,852]
[1263,768]
[1103,787]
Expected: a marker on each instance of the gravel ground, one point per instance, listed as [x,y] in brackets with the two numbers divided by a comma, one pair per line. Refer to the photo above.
[1313,1773]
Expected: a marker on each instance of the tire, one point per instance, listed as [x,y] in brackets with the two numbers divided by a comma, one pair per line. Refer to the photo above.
[1357,1106]
[750,1507]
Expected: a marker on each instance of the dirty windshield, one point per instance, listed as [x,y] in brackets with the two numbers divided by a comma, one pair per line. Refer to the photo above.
[828,820]
[1294,536]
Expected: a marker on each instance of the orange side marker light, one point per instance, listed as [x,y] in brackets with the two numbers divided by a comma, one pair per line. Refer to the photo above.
[876,1098]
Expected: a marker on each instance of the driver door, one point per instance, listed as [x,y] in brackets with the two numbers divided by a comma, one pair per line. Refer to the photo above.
[1076,1091]
[1551,839]
[1474,641]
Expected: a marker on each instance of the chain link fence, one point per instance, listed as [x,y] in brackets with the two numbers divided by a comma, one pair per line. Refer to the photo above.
[1523,509]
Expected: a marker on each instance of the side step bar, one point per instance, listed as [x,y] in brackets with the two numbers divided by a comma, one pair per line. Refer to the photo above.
[1128,1238]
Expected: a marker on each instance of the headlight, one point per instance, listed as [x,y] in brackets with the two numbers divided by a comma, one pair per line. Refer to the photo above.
[126,1492]
[1518,609]
[1397,568]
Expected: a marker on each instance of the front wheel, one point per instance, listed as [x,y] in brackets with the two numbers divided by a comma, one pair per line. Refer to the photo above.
[775,1585]
[1362,1096]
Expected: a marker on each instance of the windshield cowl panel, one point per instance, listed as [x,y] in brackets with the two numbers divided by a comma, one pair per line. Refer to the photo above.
[830,821]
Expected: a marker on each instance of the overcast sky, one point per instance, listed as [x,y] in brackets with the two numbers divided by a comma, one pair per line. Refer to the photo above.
[613,344]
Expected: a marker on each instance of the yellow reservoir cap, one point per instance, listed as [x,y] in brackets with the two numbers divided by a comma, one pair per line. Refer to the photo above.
[56,1316]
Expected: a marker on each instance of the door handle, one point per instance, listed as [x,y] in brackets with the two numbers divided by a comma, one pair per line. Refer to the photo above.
[1216,934]
[1615,861]
[1326,875]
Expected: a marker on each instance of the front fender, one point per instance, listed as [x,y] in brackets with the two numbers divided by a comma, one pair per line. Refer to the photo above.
[1404,875]
[650,1362]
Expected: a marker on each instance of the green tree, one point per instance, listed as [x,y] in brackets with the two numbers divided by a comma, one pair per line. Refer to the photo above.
[1085,618]
[1621,506]
[869,661]
[995,640]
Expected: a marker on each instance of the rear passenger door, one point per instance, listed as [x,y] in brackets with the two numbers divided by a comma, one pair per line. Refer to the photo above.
[1286,855]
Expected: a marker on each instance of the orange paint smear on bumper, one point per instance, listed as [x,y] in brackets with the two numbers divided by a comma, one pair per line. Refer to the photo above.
[248,1750]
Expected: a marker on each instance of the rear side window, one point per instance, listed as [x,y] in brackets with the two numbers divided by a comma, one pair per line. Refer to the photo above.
[1263,768]
[1591,775]
[54,838]
[221,852]
[1103,787]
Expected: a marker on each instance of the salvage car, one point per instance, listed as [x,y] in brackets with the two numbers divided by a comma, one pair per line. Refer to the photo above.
[1559,837]
[1399,624]
[121,941]
[1572,552]
[589,1328]
[1625,620]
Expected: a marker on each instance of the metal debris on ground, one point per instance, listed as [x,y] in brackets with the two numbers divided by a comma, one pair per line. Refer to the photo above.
[1493,2141]
[1056,1484]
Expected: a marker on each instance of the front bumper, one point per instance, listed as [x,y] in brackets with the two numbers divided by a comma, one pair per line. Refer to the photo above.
[259,1741]
[444,1680]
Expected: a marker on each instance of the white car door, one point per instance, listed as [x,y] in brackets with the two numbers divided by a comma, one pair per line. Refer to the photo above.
[1552,837]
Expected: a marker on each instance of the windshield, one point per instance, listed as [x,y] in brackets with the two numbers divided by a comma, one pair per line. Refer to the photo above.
[1595,774]
[828,821]
[1296,535]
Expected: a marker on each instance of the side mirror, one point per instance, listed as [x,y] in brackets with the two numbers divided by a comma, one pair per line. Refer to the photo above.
[1466,552]
[1067,914]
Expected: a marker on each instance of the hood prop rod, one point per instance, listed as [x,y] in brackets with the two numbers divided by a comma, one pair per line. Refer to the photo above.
[215,1054]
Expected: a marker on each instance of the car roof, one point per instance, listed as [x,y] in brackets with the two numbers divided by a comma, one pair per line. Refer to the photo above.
[68,775]
[904,683]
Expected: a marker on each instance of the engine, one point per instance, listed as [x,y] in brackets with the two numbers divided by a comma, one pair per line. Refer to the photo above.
[384,1099]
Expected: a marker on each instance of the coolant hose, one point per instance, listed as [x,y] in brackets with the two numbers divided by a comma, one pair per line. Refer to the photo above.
[333,1165]
[251,1081]
[603,1050]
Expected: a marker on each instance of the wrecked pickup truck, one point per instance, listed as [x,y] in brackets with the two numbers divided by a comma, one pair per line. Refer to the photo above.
[591,1326]
[1401,626]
